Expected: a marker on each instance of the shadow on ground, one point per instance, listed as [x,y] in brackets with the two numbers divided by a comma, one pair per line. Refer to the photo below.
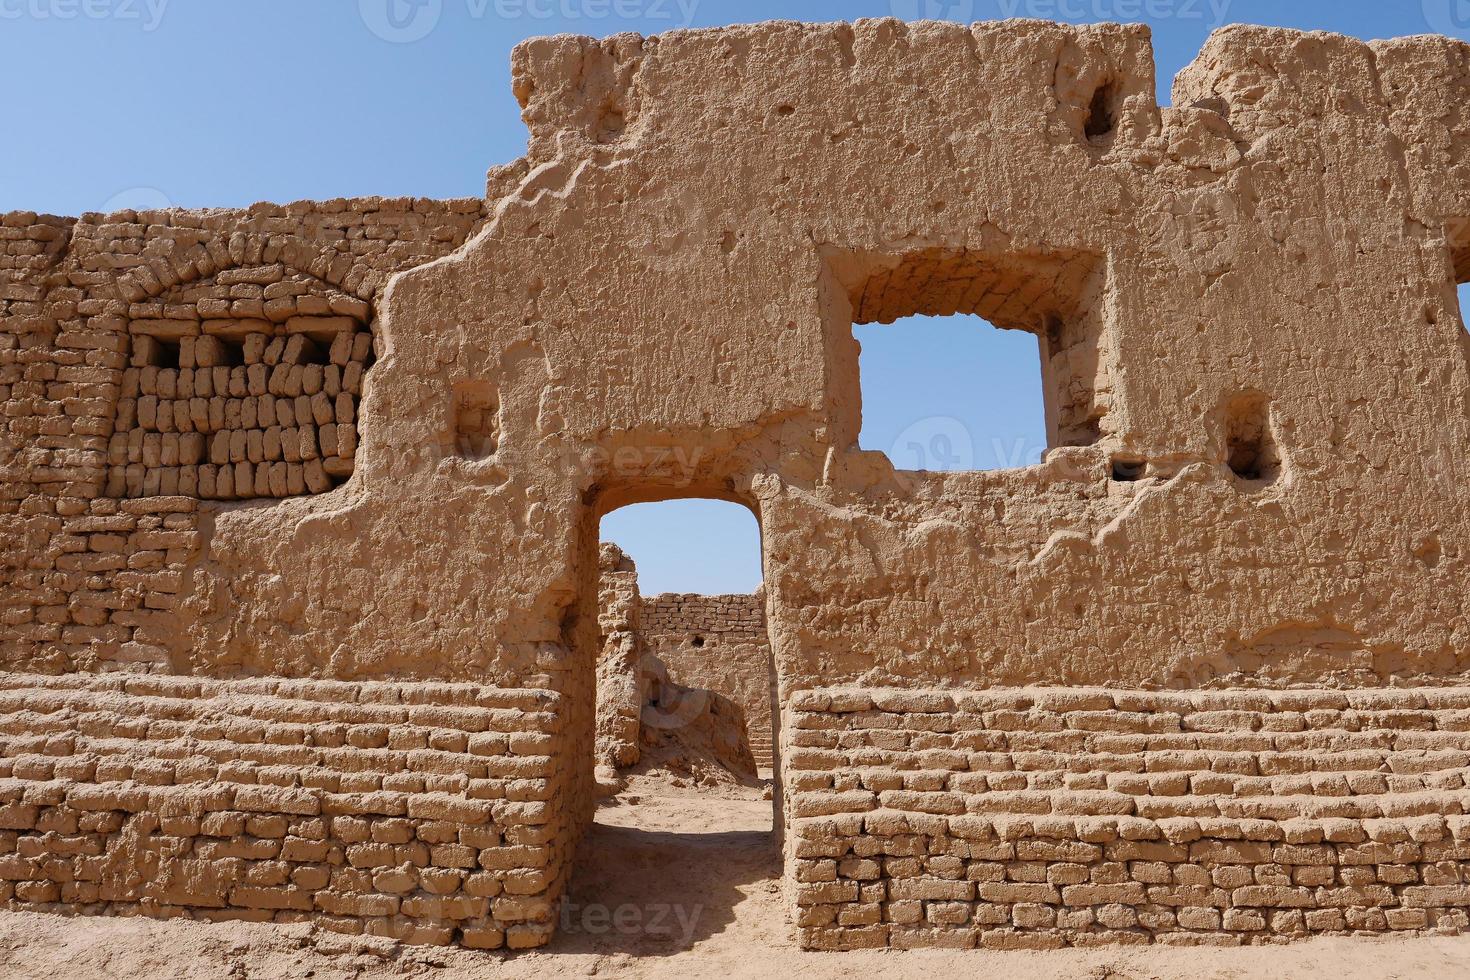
[654,892]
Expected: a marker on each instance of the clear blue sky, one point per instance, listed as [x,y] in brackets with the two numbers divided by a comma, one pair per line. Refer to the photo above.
[118,103]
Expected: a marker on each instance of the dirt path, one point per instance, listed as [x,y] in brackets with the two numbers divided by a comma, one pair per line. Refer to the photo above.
[672,884]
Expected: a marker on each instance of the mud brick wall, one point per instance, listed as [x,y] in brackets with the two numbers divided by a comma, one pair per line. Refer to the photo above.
[152,360]
[717,642]
[97,575]
[430,813]
[1053,817]
[703,615]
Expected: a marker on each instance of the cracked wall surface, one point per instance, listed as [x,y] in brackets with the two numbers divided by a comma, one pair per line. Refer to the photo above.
[1256,377]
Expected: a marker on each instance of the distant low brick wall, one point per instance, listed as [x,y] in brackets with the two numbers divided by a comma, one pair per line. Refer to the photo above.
[710,615]
[717,642]
[432,813]
[1047,818]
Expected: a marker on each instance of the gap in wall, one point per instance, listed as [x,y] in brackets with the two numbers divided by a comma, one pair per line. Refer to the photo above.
[693,568]
[686,824]
[948,393]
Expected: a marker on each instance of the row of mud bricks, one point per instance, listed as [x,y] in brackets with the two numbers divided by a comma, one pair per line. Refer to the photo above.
[431,813]
[1040,819]
[100,579]
[680,613]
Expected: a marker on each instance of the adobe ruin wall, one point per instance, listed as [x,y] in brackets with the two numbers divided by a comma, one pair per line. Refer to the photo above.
[1258,396]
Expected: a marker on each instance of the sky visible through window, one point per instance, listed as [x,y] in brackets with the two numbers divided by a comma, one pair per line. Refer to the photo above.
[951,393]
[401,97]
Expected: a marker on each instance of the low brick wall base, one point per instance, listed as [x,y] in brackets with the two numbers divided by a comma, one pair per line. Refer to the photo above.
[432,813]
[1048,818]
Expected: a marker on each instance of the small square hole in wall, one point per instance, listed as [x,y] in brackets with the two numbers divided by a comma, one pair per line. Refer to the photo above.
[475,418]
[1250,440]
[951,393]
[1128,469]
[148,351]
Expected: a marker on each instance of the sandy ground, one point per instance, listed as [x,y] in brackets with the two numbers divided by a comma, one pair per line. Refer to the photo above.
[673,883]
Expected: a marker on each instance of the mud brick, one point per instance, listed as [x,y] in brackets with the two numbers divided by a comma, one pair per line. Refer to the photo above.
[1273,897]
[1435,896]
[1356,895]
[1127,893]
[1064,851]
[513,856]
[1229,852]
[482,937]
[827,893]
[1009,892]
[371,856]
[520,908]
[1325,920]
[453,856]
[1407,918]
[356,904]
[1031,915]
[1020,939]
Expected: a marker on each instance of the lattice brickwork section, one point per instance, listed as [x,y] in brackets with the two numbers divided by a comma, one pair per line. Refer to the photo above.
[1074,817]
[428,812]
[230,417]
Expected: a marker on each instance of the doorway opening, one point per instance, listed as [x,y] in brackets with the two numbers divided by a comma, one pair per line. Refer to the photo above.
[683,847]
[682,618]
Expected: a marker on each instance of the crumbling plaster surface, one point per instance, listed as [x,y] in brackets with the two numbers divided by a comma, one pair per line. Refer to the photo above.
[660,303]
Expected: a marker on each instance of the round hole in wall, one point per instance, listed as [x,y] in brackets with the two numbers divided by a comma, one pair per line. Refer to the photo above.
[697,641]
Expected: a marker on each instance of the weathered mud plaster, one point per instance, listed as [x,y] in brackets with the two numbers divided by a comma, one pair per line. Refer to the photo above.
[1257,381]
